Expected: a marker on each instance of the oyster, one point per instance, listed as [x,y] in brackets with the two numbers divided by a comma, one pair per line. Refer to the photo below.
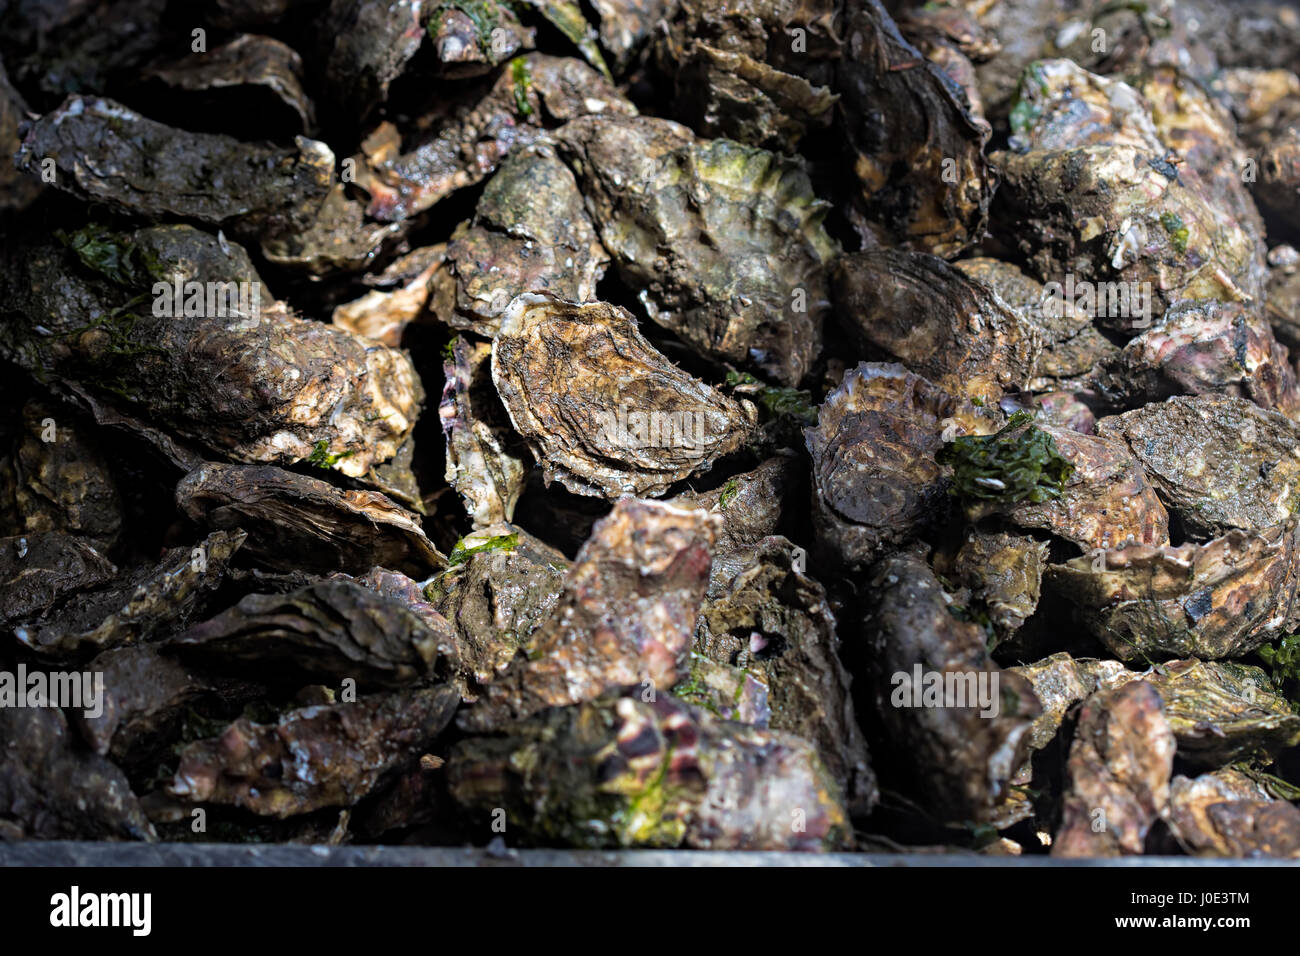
[621,771]
[755,72]
[938,322]
[774,621]
[104,152]
[337,238]
[329,755]
[963,752]
[277,388]
[1205,347]
[1219,463]
[142,606]
[626,24]
[875,480]
[723,242]
[38,571]
[1222,712]
[1118,773]
[1220,599]
[1004,573]
[1072,345]
[924,182]
[732,693]
[1085,488]
[467,139]
[487,463]
[1090,190]
[625,617]
[293,521]
[502,588]
[752,506]
[1226,814]
[365,44]
[531,233]
[51,790]
[335,629]
[247,60]
[16,190]
[60,480]
[601,409]
[146,697]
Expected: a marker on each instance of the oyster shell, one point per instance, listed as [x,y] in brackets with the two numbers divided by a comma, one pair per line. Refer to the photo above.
[1222,712]
[329,631]
[247,60]
[365,45]
[1104,501]
[146,697]
[938,322]
[752,506]
[723,242]
[1218,463]
[466,139]
[1061,681]
[774,621]
[60,480]
[383,315]
[603,411]
[497,597]
[1226,814]
[276,388]
[38,571]
[1220,599]
[471,40]
[295,522]
[531,233]
[105,152]
[143,606]
[875,481]
[1278,187]
[1091,191]
[16,190]
[51,790]
[736,70]
[1118,773]
[924,181]
[626,772]
[1004,572]
[1205,347]
[626,616]
[961,755]
[327,755]
[487,463]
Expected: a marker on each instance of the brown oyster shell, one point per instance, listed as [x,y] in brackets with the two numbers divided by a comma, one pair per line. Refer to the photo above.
[938,322]
[296,522]
[925,183]
[329,755]
[961,762]
[1105,502]
[723,242]
[626,616]
[1226,814]
[603,412]
[1118,774]
[775,622]
[1222,712]
[630,772]
[1220,599]
[531,233]
[1218,463]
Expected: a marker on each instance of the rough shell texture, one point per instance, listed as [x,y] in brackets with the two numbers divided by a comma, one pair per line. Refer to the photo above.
[962,757]
[603,411]
[627,614]
[628,772]
[1120,764]
[1220,599]
[723,242]
[1219,463]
